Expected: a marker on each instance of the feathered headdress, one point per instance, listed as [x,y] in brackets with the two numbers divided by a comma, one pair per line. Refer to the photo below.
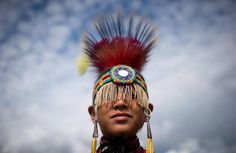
[118,56]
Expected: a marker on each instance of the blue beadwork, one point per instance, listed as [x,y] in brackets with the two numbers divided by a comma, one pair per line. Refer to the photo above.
[122,74]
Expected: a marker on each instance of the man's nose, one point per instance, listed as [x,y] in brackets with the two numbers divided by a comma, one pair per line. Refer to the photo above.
[120,105]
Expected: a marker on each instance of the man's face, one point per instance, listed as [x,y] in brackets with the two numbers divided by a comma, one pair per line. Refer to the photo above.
[120,118]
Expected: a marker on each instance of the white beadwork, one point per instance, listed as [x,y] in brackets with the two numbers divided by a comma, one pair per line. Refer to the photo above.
[123,73]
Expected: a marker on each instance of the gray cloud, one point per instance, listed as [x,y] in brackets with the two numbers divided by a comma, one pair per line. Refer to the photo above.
[206,146]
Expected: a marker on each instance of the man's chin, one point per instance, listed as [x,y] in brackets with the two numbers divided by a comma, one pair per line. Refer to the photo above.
[121,131]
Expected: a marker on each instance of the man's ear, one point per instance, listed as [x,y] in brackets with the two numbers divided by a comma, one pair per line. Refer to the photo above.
[92,113]
[151,107]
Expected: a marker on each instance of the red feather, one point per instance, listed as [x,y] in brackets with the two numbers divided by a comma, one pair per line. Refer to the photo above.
[120,43]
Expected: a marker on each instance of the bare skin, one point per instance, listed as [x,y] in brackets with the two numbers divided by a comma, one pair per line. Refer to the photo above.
[119,119]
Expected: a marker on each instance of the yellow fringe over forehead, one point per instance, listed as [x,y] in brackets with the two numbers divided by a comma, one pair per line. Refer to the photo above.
[111,92]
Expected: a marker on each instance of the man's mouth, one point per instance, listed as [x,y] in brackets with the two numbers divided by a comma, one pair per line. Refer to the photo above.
[121,116]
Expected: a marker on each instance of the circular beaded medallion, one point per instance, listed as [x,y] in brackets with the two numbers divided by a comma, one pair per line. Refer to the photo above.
[122,74]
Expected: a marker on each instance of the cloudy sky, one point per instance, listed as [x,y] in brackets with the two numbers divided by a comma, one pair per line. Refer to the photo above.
[191,74]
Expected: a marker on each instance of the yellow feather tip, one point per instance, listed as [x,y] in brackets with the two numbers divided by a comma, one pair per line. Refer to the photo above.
[82,63]
[94,145]
[149,147]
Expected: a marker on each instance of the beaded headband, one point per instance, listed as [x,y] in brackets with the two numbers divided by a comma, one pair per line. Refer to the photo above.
[120,75]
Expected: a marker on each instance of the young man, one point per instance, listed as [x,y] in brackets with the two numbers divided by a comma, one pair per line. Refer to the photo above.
[120,98]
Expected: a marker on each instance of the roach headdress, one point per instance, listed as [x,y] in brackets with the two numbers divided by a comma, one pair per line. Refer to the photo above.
[118,52]
[118,56]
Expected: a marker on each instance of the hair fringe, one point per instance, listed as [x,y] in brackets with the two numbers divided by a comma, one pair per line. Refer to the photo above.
[111,92]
